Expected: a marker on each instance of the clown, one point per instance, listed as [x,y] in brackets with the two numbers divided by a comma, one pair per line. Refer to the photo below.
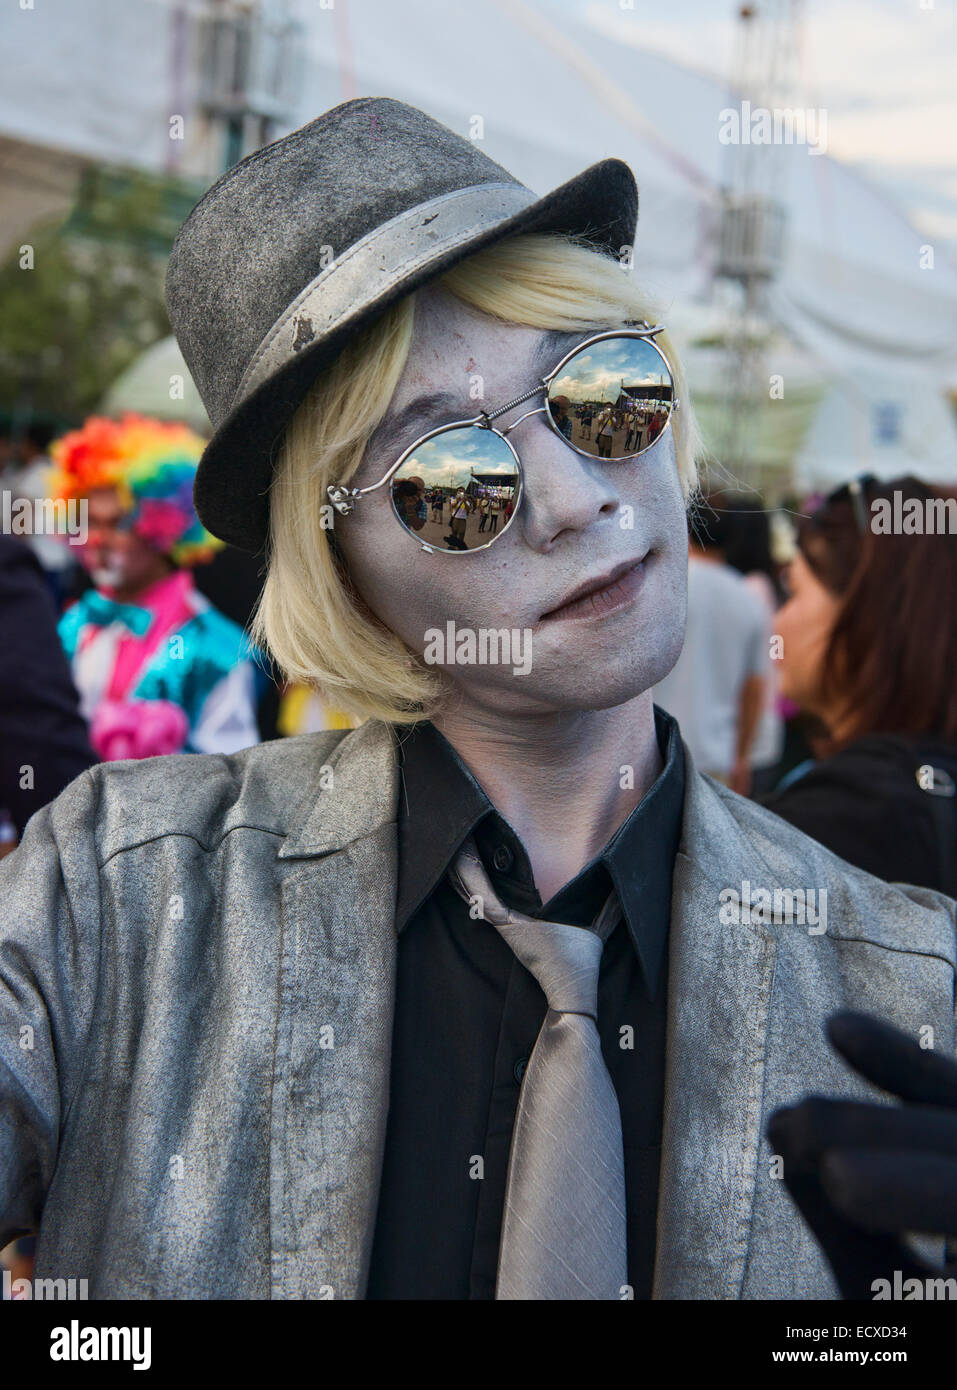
[158,668]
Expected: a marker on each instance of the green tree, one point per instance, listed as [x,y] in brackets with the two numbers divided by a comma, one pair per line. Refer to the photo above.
[88,298]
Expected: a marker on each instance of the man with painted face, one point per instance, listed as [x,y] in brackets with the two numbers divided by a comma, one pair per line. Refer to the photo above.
[493,995]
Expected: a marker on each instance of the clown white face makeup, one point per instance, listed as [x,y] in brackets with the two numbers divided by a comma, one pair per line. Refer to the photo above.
[594,655]
[117,559]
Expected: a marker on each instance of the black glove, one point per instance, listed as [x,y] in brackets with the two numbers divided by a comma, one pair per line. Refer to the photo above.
[863,1174]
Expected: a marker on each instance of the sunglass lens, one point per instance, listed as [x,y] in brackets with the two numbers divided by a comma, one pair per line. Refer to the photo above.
[614,398]
[458,491]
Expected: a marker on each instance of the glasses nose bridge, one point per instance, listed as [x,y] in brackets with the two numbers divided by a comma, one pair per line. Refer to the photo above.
[539,410]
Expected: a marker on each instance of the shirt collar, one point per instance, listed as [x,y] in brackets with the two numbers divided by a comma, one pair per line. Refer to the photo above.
[441,803]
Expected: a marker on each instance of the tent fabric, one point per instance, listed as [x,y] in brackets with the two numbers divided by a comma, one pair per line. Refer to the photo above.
[548,93]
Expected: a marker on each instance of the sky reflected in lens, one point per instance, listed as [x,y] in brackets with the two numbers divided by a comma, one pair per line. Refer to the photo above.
[457,491]
[613,399]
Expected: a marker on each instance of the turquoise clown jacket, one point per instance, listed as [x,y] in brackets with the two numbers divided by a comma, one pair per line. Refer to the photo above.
[167,674]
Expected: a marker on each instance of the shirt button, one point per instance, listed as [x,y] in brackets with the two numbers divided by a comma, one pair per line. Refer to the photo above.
[518,1071]
[503,858]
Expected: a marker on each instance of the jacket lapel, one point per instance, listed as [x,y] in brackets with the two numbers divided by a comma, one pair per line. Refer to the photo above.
[335,1011]
[719,992]
[334,1029]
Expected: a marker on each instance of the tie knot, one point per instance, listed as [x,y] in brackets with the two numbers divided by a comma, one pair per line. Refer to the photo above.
[564,959]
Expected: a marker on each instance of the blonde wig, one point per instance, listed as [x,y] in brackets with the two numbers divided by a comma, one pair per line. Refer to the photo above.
[309,617]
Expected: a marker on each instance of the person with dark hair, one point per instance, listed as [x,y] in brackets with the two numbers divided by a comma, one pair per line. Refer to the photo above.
[747,541]
[408,497]
[562,418]
[37,441]
[869,637]
[43,737]
[605,435]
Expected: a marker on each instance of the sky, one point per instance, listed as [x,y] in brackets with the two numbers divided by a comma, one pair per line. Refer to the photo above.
[884,70]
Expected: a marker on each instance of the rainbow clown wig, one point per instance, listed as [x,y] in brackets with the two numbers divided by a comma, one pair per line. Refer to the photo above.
[151,464]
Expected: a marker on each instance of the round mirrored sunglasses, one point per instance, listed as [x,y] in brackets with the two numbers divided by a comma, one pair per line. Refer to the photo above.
[459,487]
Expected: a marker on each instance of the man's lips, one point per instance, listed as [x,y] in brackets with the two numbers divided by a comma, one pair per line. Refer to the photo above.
[600,595]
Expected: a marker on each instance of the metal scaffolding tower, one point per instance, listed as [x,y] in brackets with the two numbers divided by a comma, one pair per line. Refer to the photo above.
[752,234]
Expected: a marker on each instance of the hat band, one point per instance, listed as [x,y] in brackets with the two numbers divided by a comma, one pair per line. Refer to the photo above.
[375,264]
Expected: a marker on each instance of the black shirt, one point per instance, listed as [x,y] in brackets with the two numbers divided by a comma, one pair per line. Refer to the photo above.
[467,1015]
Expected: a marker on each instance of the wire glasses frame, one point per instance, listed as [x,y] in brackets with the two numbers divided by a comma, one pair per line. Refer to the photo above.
[344,499]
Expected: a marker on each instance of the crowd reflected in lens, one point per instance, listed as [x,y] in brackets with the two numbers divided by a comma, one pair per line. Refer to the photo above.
[458,490]
[613,399]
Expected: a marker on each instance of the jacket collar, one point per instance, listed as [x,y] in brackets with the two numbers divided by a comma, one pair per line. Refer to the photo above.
[330,1093]
[440,803]
[352,792]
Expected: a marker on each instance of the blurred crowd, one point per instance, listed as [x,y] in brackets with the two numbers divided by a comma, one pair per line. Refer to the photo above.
[821,681]
[123,620]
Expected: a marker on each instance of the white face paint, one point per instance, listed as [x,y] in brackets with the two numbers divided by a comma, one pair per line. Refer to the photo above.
[108,577]
[568,532]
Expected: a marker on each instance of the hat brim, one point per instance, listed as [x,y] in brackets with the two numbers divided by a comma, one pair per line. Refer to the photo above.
[235,472]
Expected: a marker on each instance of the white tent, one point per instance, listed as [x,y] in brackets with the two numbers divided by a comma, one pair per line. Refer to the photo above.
[158,384]
[547,92]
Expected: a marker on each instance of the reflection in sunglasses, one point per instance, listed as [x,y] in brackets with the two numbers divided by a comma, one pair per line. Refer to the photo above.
[457,491]
[621,389]
[611,398]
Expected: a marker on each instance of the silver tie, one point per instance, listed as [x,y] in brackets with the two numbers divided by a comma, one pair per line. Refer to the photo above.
[563,1227]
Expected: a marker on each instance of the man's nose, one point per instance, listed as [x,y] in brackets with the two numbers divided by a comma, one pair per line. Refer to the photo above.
[564,490]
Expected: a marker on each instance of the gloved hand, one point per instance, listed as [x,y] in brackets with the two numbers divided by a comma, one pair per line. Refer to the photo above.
[863,1174]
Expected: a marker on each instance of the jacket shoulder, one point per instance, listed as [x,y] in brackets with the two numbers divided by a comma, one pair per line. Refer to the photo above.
[897,916]
[206,795]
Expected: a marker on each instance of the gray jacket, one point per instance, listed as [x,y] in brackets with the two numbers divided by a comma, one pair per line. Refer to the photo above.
[197,960]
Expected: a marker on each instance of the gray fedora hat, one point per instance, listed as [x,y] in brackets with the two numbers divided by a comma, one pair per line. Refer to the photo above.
[310,239]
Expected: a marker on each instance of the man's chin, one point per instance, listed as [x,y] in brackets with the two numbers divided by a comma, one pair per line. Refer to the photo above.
[539,693]
[597,695]
[618,676]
